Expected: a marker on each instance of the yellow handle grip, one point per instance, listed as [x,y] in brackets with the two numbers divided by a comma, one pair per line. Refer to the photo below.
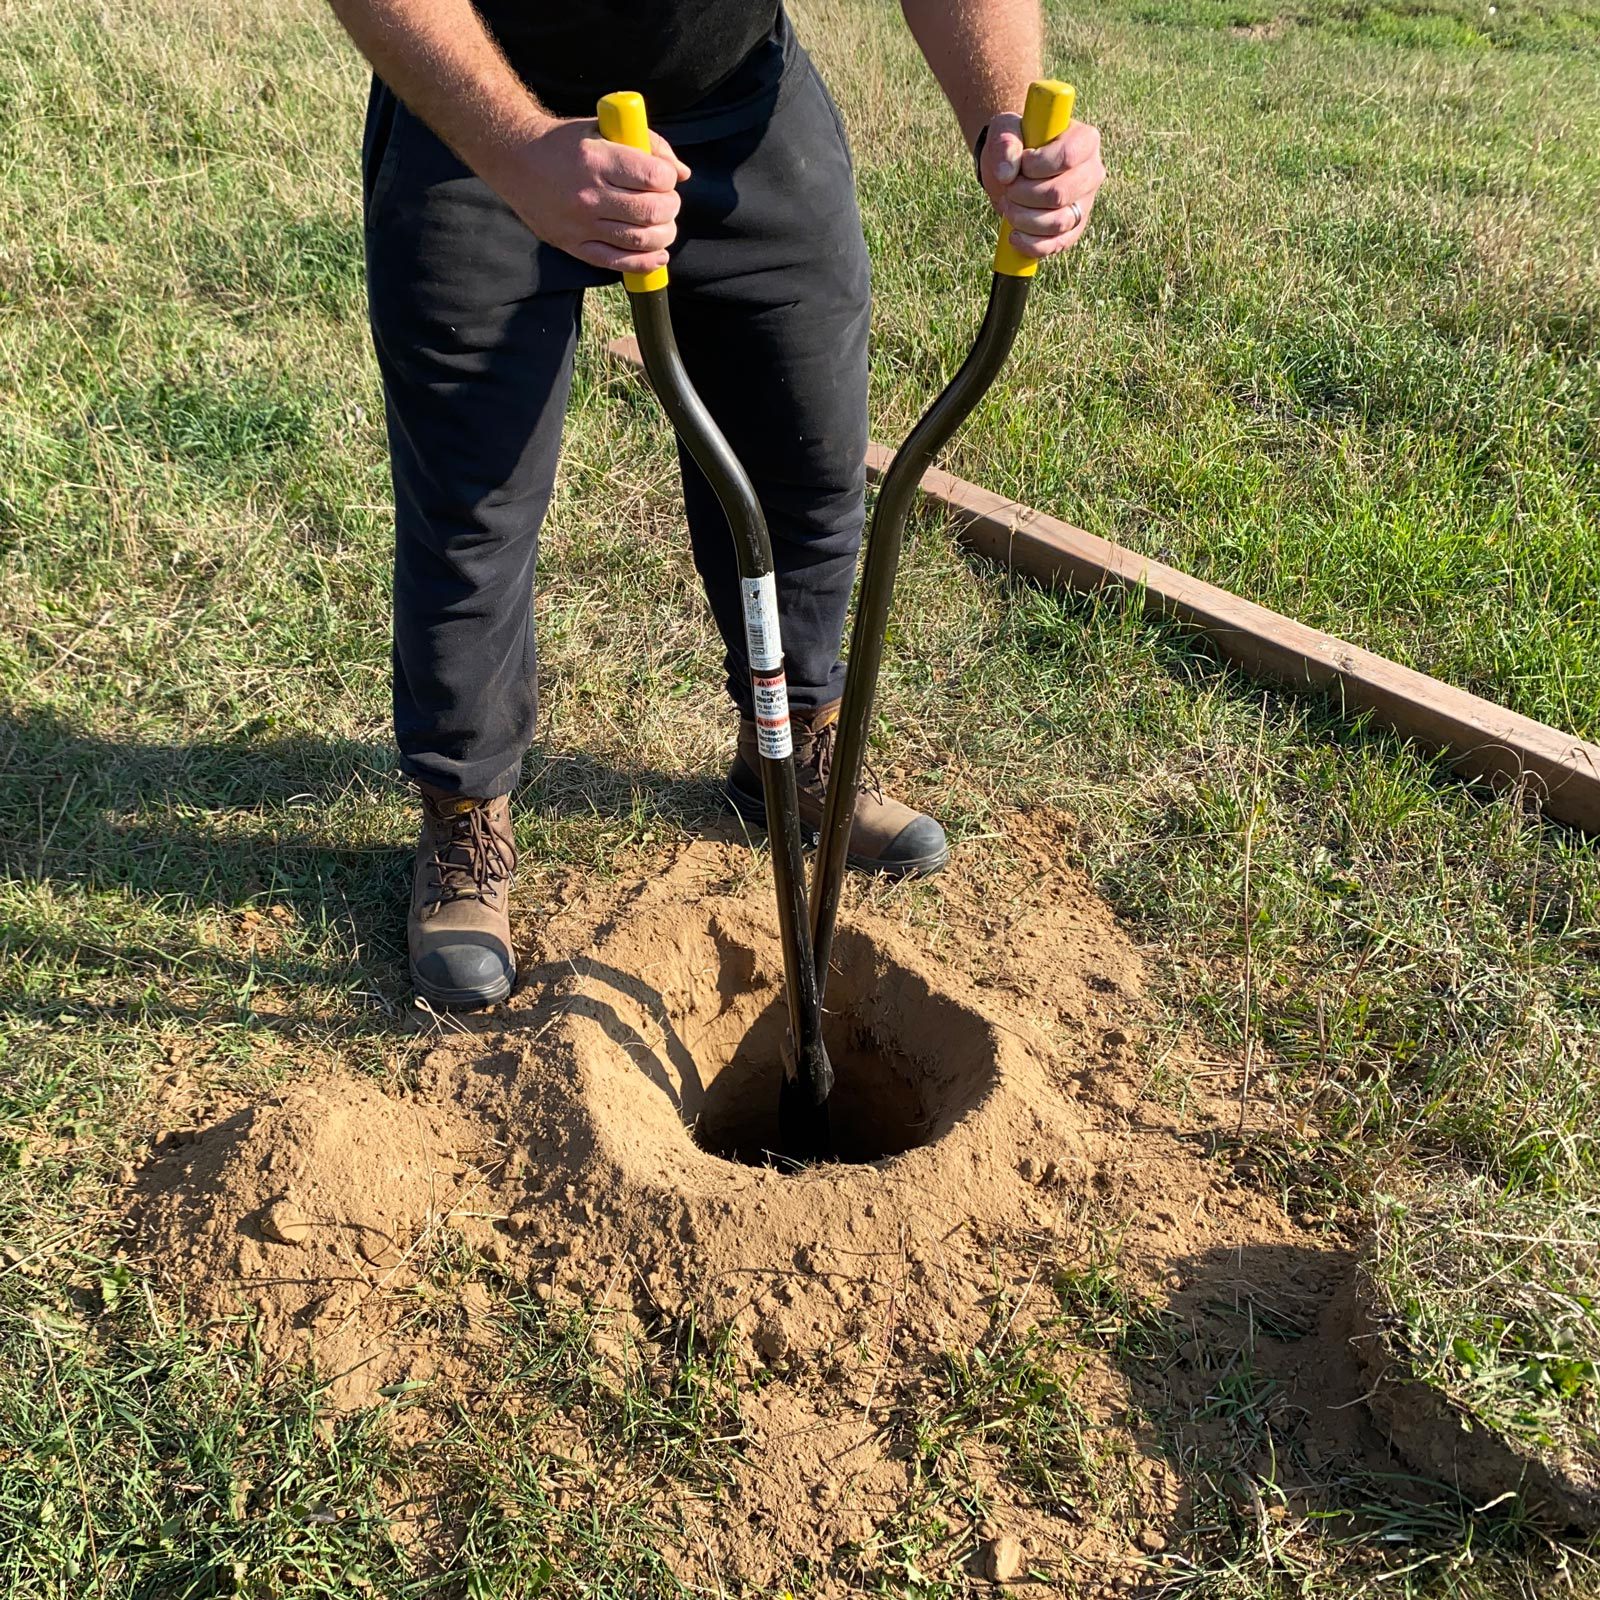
[1046,116]
[623,121]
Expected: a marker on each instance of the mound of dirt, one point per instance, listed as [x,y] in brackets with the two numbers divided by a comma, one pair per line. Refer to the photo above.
[309,1218]
[604,1137]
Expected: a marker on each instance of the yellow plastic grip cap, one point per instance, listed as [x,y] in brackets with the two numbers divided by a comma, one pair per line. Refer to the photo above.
[1046,116]
[623,121]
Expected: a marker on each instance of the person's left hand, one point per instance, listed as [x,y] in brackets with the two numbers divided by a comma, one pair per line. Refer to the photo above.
[1045,194]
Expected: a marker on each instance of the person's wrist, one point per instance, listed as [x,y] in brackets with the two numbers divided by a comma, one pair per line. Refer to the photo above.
[506,143]
[529,129]
[511,160]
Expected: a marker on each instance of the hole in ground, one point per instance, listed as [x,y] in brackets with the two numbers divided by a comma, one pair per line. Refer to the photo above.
[884,1102]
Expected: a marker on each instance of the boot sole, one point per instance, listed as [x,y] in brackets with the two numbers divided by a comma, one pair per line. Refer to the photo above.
[753,809]
[463,999]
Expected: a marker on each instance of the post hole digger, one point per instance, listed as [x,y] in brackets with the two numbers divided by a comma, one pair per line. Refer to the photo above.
[807,922]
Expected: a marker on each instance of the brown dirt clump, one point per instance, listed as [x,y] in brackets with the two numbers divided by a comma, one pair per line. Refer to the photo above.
[601,1139]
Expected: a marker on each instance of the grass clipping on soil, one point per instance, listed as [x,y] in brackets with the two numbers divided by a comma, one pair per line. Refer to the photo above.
[379,1233]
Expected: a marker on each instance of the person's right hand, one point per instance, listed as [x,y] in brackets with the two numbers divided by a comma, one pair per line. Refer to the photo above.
[604,203]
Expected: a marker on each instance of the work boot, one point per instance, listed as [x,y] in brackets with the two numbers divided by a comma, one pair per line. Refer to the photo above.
[459,931]
[885,836]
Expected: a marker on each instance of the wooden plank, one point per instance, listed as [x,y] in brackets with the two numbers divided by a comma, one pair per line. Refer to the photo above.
[1484,742]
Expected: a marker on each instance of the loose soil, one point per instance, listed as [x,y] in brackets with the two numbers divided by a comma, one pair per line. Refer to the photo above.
[602,1139]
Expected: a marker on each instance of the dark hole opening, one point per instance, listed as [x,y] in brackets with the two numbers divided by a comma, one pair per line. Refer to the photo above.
[878,1107]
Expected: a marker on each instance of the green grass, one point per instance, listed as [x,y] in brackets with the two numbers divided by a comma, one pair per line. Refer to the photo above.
[1501,1305]
[1333,347]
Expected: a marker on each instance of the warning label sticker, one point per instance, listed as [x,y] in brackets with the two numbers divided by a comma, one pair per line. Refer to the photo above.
[772,714]
[761,623]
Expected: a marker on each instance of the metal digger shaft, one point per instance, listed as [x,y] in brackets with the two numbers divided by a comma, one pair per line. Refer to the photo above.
[807,1072]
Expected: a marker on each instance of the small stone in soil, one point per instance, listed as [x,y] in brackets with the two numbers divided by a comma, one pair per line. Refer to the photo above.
[283,1224]
[378,1249]
[771,1340]
[1002,1559]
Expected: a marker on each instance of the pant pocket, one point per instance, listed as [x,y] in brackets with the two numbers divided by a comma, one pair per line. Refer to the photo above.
[821,88]
[380,147]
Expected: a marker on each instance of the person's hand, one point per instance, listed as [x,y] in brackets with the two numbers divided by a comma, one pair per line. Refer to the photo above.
[604,203]
[1045,194]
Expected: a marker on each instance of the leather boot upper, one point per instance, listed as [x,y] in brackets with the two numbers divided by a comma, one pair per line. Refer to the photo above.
[885,834]
[459,930]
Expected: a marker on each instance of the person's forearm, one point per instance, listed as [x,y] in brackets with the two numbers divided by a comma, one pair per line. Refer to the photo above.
[439,59]
[605,203]
[984,53]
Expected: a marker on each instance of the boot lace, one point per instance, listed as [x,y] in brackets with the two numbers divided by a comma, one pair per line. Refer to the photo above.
[469,859]
[822,754]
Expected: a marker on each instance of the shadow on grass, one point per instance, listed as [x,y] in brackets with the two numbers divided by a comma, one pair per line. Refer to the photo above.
[1252,1393]
[144,845]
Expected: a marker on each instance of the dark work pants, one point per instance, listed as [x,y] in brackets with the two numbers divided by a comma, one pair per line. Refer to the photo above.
[475,322]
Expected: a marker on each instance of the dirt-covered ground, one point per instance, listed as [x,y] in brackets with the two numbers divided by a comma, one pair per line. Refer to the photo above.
[567,1149]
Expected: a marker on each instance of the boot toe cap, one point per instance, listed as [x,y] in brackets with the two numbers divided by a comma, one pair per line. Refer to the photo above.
[464,970]
[920,847]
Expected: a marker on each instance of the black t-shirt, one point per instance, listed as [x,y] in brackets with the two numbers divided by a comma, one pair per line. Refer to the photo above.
[711,59]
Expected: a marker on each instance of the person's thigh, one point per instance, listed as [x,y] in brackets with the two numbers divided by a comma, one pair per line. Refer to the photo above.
[771,301]
[474,323]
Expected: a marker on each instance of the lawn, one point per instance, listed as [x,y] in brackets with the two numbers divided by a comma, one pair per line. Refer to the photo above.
[1333,346]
